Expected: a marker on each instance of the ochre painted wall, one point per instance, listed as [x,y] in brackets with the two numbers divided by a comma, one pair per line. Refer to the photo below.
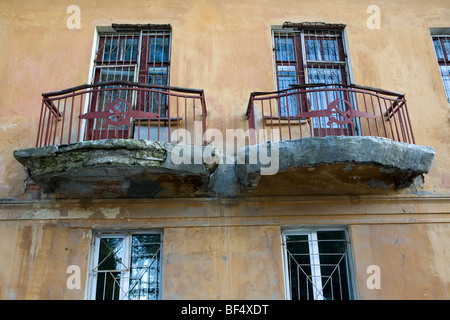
[231,249]
[241,262]
[35,256]
[413,260]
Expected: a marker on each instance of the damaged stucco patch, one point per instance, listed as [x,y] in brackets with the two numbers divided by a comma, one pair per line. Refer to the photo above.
[52,159]
[36,240]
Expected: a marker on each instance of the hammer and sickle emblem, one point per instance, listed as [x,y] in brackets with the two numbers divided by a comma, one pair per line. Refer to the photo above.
[334,107]
[113,115]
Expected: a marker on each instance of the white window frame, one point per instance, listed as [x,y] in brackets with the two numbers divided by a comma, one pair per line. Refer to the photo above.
[126,259]
[311,232]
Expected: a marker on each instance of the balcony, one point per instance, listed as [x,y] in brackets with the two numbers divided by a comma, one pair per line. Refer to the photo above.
[119,110]
[125,140]
[332,139]
[116,139]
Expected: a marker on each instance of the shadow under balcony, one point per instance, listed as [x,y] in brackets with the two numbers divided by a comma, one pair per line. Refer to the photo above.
[330,139]
[117,140]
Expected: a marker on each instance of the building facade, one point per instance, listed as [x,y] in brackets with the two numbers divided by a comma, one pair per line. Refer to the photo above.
[205,149]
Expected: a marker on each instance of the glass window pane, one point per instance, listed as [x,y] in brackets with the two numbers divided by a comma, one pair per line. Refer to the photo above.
[146,239]
[110,254]
[322,49]
[159,50]
[438,49]
[129,49]
[445,72]
[157,75]
[285,49]
[333,264]
[145,267]
[108,286]
[313,49]
[157,100]
[446,42]
[110,49]
[321,75]
[117,74]
[299,265]
[330,49]
[287,75]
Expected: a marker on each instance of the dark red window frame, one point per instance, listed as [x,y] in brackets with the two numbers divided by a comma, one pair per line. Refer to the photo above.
[299,60]
[140,61]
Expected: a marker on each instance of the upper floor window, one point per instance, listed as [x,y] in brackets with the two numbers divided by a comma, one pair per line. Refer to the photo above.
[126,266]
[140,56]
[131,54]
[317,264]
[442,49]
[311,56]
[308,56]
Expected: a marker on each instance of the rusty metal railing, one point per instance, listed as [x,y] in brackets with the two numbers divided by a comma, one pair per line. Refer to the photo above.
[121,110]
[321,110]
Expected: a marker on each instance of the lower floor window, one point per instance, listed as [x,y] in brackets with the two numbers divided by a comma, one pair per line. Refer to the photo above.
[317,264]
[126,266]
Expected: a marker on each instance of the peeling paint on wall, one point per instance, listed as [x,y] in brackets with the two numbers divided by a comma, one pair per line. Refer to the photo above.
[37,234]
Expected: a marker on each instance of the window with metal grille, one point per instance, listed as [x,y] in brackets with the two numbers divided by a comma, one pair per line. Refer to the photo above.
[141,56]
[126,266]
[131,54]
[304,56]
[442,48]
[317,265]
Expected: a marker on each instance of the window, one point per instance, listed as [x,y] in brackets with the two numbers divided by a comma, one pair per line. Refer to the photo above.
[141,56]
[317,265]
[126,266]
[131,55]
[310,56]
[442,47]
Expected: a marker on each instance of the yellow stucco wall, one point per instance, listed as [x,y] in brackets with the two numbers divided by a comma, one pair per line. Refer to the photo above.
[413,260]
[227,250]
[213,249]
[35,257]
[243,261]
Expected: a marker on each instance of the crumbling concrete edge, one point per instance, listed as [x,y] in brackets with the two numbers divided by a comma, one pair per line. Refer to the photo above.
[412,159]
[121,152]
[226,177]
